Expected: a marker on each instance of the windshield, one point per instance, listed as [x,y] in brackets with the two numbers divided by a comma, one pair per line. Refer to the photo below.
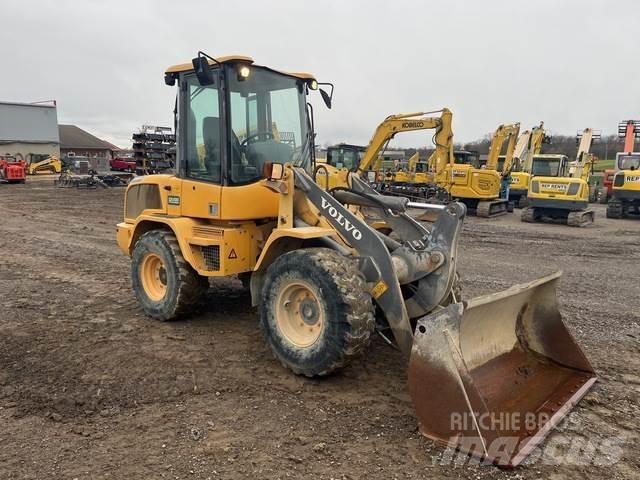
[547,167]
[268,123]
[467,158]
[344,157]
[422,167]
[629,161]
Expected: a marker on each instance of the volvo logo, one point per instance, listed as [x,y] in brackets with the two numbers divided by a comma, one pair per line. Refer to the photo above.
[338,217]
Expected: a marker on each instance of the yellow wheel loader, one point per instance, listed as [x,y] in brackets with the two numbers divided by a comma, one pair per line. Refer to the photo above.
[324,280]
[479,188]
[559,189]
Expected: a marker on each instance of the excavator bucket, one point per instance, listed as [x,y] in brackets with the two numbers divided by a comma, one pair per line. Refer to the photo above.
[494,375]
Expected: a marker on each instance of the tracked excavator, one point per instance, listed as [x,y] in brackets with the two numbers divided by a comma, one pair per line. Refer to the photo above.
[559,189]
[479,188]
[333,176]
[529,144]
[324,280]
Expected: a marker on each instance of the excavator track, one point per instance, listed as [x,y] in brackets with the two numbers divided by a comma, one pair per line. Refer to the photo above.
[581,219]
[528,215]
[491,208]
[615,209]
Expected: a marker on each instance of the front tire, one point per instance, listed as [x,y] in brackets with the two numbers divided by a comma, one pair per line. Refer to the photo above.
[316,311]
[164,283]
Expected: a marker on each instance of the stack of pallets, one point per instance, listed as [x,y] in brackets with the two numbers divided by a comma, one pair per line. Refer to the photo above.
[154,149]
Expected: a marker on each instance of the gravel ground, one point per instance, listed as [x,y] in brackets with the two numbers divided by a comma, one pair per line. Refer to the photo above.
[91,388]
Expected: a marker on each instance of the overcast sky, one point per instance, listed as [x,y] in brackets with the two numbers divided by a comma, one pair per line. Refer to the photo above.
[572,64]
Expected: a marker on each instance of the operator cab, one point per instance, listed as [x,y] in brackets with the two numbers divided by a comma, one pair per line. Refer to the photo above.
[236,117]
[549,166]
[346,156]
[628,161]
[465,157]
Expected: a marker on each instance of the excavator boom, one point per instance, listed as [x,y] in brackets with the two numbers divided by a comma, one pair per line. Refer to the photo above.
[409,122]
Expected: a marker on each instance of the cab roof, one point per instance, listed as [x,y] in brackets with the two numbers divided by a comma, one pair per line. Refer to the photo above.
[188,67]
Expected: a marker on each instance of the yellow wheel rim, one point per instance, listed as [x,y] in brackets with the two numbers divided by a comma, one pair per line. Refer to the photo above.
[154,277]
[299,315]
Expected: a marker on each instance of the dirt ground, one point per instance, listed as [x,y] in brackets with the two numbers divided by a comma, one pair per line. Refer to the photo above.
[91,388]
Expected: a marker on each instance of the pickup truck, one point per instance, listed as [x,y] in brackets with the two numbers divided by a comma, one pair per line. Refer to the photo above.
[124,164]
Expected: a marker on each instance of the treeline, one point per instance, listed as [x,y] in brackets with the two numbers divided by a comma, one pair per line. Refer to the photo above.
[604,148]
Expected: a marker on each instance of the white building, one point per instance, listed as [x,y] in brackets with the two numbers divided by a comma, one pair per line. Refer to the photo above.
[29,131]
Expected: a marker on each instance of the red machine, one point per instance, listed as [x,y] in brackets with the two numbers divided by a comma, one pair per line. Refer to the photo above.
[12,170]
[629,130]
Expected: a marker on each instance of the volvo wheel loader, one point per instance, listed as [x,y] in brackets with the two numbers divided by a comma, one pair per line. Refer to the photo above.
[243,202]
[559,189]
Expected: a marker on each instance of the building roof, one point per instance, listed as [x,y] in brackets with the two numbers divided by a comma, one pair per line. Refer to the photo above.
[28,123]
[72,136]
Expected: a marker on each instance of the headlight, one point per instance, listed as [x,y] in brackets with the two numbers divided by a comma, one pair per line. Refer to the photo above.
[313,84]
[573,189]
[244,72]
[535,186]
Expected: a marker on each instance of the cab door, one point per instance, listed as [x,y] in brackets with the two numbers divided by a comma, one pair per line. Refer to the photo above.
[201,154]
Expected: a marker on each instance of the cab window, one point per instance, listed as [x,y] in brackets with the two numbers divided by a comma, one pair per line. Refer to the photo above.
[203,131]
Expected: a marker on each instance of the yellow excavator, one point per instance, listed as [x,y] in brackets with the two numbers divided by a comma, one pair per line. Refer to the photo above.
[324,280]
[626,180]
[529,144]
[404,174]
[479,187]
[341,159]
[337,174]
[559,189]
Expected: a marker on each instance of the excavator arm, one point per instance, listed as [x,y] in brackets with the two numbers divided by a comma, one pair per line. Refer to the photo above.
[537,138]
[410,122]
[411,164]
[584,159]
[503,133]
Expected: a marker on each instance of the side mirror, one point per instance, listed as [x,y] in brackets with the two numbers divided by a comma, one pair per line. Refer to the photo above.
[203,70]
[326,97]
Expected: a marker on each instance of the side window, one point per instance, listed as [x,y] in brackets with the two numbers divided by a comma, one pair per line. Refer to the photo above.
[203,134]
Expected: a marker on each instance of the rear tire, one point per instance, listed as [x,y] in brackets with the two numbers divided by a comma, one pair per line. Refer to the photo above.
[164,283]
[316,311]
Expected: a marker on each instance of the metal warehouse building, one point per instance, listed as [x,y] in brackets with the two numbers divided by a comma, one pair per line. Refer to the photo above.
[29,131]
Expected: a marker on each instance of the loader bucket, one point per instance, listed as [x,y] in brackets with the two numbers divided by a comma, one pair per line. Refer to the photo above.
[494,375]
